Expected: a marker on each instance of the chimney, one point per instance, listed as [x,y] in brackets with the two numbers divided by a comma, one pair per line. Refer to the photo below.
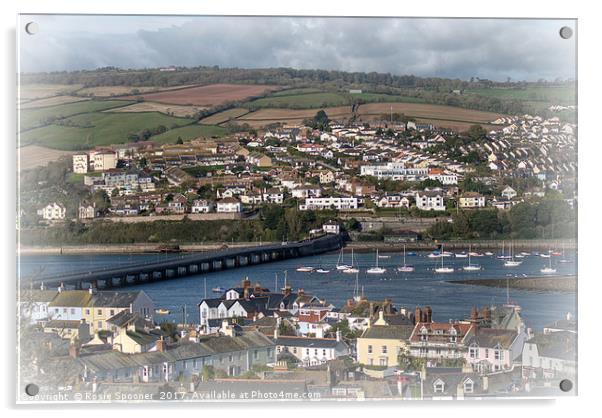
[61,287]
[474,314]
[246,293]
[74,350]
[161,345]
[428,314]
[246,283]
[301,292]
[349,302]
[418,314]
[257,288]
[287,290]
[42,287]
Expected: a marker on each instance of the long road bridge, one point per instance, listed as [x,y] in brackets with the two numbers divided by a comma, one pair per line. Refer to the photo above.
[186,265]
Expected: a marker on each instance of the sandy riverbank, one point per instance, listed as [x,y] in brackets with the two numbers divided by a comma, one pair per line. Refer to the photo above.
[556,283]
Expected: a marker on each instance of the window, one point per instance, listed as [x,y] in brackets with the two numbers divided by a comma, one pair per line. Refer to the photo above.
[472,352]
[255,354]
[112,312]
[439,386]
[498,354]
[294,350]
[383,361]
[383,349]
[99,324]
[452,339]
[87,311]
[369,349]
[99,312]
[468,386]
[324,352]
[72,311]
[486,353]
[315,351]
[64,310]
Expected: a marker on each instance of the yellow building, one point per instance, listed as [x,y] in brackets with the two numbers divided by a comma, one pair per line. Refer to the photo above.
[381,343]
[105,305]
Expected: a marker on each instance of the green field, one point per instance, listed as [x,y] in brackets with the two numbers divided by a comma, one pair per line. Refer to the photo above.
[381,97]
[189,132]
[560,95]
[301,101]
[101,129]
[32,118]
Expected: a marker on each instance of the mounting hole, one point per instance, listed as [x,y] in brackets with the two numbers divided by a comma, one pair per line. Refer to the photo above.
[32,28]
[32,389]
[566,385]
[566,32]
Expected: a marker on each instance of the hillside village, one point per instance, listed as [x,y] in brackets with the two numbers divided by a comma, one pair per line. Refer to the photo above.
[286,343]
[384,169]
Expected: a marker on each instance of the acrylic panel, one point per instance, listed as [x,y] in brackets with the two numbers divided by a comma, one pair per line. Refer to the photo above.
[279,208]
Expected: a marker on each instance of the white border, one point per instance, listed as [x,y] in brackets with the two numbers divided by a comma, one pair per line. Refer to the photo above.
[589,163]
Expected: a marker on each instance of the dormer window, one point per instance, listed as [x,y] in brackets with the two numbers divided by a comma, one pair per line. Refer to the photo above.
[468,386]
[472,351]
[439,386]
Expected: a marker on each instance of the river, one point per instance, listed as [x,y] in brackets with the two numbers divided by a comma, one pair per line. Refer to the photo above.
[420,288]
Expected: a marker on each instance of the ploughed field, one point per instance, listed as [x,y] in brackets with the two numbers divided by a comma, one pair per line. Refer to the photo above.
[210,95]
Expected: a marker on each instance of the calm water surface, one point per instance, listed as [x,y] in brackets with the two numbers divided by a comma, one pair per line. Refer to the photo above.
[422,287]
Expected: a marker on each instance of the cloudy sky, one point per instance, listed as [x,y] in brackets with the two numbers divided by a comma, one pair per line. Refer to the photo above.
[455,48]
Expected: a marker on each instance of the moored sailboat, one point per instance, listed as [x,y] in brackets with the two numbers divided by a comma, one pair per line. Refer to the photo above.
[405,268]
[376,269]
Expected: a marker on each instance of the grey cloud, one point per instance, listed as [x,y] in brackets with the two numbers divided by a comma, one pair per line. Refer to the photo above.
[495,49]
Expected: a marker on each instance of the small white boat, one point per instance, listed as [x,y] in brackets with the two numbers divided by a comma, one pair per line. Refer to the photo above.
[543,255]
[443,269]
[461,255]
[434,255]
[405,268]
[446,254]
[351,269]
[376,269]
[162,311]
[340,264]
[519,256]
[564,261]
[549,269]
[474,254]
[488,253]
[384,256]
[305,269]
[512,263]
[524,253]
[470,266]
[218,290]
[322,271]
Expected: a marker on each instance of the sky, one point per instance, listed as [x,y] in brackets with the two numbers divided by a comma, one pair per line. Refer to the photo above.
[453,48]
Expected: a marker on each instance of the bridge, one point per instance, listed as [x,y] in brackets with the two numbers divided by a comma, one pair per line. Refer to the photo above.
[186,265]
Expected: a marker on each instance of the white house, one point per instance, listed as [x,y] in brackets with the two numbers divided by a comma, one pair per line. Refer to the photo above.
[491,350]
[471,200]
[311,351]
[430,201]
[201,206]
[509,193]
[324,203]
[229,205]
[80,163]
[53,211]
[550,355]
[33,304]
[331,227]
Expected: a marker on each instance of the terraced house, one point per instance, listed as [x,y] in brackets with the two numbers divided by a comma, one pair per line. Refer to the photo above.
[232,354]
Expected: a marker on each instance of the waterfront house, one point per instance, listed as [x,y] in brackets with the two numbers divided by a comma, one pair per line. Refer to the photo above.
[436,341]
[492,350]
[229,205]
[470,200]
[53,212]
[331,227]
[34,304]
[381,343]
[68,305]
[201,206]
[430,201]
[550,355]
[311,351]
[103,305]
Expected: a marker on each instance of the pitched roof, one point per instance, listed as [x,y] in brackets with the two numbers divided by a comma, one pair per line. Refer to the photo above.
[307,342]
[489,337]
[72,298]
[389,332]
[113,299]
